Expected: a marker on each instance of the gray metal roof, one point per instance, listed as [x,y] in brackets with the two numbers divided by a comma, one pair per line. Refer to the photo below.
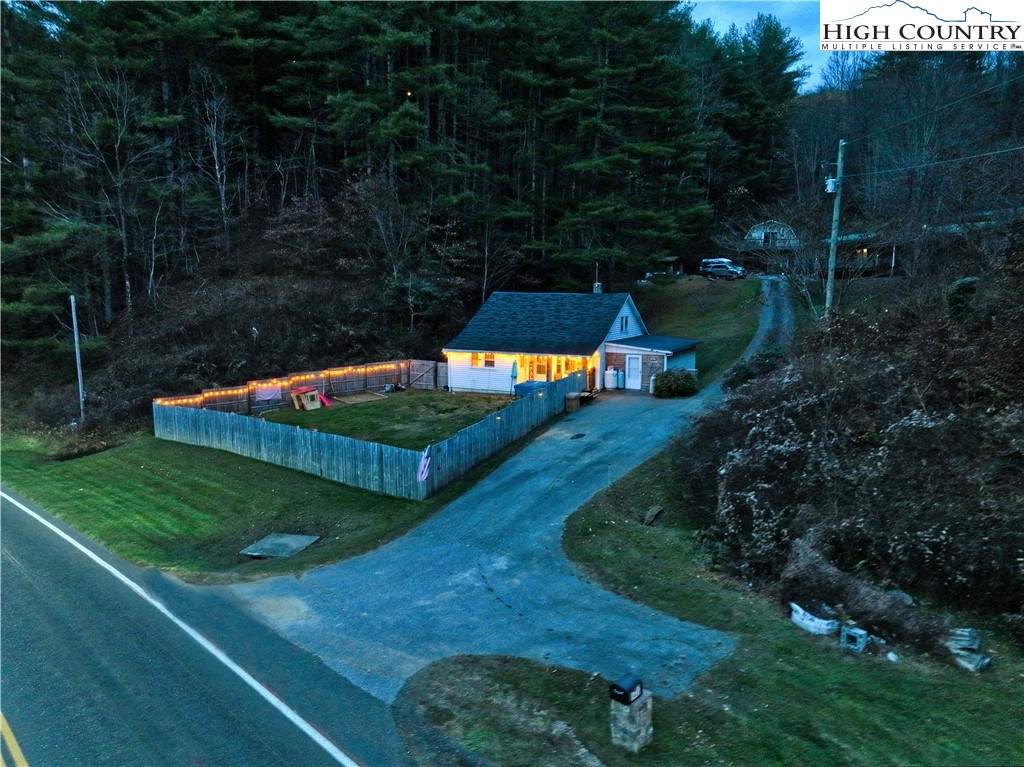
[541,323]
[667,344]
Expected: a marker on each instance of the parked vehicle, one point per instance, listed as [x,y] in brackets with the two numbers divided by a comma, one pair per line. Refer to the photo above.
[724,268]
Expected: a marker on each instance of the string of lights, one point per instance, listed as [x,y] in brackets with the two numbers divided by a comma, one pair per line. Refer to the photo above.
[275,383]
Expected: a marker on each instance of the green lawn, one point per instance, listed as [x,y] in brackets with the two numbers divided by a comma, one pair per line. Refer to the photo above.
[784,697]
[411,419]
[192,509]
[723,315]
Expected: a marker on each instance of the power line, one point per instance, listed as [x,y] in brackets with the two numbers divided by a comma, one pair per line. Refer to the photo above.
[938,108]
[937,162]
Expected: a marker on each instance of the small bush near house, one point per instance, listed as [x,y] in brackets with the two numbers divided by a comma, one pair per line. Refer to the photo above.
[675,383]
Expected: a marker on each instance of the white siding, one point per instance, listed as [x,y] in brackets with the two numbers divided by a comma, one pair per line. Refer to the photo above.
[462,376]
[634,325]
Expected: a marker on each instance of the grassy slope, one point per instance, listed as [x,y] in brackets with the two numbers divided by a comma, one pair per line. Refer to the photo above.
[411,419]
[192,509]
[721,314]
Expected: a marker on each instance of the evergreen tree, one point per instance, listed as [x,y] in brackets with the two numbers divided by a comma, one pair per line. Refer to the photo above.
[762,83]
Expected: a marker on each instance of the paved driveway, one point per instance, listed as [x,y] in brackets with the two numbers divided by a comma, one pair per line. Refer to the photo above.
[487,575]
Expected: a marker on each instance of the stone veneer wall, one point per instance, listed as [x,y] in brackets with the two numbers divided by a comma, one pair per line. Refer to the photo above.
[650,365]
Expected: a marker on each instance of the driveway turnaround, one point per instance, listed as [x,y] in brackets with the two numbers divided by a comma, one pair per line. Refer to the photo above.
[487,574]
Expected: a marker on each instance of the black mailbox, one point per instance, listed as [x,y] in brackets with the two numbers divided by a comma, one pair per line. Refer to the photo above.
[627,689]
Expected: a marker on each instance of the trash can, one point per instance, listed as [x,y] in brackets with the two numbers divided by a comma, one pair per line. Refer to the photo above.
[611,378]
[572,402]
[627,689]
[526,388]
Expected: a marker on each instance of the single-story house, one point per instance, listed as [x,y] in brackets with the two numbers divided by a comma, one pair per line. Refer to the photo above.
[518,337]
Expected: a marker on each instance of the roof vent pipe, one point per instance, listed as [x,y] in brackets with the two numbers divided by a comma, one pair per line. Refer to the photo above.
[597,287]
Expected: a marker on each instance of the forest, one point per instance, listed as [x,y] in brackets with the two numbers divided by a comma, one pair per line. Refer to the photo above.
[232,189]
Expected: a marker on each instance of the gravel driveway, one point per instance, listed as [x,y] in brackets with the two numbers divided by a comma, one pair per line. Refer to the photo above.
[487,574]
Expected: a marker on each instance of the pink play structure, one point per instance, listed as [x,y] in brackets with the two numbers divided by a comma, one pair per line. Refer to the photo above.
[308,398]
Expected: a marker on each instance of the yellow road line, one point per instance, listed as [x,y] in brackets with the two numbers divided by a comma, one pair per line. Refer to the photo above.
[12,743]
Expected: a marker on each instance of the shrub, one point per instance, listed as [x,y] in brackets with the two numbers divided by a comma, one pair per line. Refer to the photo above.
[661,278]
[675,383]
[896,438]
[960,296]
[762,363]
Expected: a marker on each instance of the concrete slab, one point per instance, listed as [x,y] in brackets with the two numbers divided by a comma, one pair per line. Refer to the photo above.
[279,545]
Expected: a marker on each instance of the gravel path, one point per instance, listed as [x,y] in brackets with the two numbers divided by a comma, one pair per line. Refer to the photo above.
[487,574]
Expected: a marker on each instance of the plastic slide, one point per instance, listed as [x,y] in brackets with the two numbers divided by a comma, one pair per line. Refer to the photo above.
[323,400]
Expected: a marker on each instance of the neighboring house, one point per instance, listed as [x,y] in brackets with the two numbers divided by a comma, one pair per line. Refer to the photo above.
[546,336]
[770,235]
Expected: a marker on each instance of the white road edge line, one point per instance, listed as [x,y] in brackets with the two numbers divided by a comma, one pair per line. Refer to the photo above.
[337,754]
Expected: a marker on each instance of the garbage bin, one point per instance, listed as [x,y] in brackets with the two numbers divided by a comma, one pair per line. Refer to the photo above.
[627,689]
[611,378]
[526,388]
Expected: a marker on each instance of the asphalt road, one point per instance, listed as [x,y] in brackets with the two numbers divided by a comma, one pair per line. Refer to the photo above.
[92,672]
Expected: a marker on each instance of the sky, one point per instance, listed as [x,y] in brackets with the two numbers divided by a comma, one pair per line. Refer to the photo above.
[801,16]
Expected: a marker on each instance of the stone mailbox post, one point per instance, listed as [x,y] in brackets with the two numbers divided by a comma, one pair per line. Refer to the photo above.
[632,713]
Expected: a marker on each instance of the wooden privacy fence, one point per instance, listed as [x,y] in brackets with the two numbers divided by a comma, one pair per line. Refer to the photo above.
[272,393]
[462,451]
[369,465]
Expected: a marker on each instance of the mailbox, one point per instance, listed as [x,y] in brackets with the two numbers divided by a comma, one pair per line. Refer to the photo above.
[627,689]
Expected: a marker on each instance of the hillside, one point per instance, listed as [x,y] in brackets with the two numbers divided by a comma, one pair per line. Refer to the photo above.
[890,446]
[298,293]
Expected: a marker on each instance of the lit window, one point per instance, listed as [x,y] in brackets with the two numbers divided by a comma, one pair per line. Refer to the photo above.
[488,360]
[476,360]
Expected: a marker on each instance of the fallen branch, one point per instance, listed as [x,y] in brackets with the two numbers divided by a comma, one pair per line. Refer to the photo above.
[810,579]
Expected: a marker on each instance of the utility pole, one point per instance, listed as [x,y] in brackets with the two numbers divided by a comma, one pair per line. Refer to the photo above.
[78,363]
[833,244]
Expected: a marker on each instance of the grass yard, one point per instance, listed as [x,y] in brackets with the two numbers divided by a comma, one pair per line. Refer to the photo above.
[192,509]
[784,697]
[411,419]
[724,315]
